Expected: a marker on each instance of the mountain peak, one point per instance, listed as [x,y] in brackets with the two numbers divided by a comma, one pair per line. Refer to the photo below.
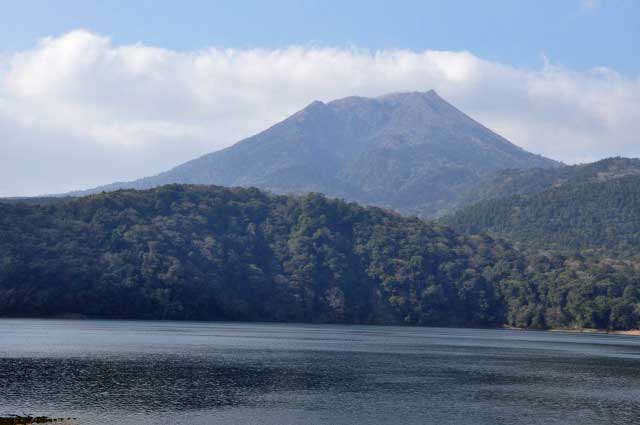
[409,94]
[315,105]
[412,96]
[411,151]
[313,108]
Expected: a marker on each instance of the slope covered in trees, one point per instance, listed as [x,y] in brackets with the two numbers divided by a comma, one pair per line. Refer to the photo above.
[213,253]
[203,252]
[527,181]
[600,215]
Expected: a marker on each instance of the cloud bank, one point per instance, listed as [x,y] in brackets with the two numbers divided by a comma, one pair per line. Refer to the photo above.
[77,111]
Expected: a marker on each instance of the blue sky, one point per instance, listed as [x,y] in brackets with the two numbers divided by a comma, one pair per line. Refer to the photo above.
[579,34]
[93,92]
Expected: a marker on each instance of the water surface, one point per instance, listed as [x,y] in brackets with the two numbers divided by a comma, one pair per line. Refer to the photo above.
[124,372]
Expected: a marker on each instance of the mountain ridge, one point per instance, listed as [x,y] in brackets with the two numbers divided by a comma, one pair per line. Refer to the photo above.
[411,152]
[583,207]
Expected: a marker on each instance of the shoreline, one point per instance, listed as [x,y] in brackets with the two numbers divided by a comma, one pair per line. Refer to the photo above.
[633,332]
[81,318]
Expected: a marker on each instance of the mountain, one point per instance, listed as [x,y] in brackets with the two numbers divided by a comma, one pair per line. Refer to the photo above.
[509,182]
[585,207]
[207,252]
[412,152]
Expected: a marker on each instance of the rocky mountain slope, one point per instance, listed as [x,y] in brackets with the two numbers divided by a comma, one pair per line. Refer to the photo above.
[412,152]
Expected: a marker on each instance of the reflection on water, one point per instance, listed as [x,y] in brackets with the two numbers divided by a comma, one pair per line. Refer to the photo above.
[104,372]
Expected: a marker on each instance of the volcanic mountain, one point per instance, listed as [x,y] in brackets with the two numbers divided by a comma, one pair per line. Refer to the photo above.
[412,152]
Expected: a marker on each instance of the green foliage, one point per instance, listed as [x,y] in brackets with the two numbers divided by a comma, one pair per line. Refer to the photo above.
[603,216]
[571,291]
[196,252]
[205,252]
[528,181]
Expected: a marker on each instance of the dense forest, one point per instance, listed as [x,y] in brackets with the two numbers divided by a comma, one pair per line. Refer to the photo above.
[598,216]
[527,181]
[206,252]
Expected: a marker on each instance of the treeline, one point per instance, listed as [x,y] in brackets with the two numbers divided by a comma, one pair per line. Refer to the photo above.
[598,216]
[527,181]
[556,290]
[205,252]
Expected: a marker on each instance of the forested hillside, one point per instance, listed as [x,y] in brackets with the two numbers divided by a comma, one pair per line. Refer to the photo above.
[204,252]
[213,253]
[527,181]
[600,215]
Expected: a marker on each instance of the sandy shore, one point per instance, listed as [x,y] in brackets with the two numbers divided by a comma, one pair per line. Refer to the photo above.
[596,331]
[580,330]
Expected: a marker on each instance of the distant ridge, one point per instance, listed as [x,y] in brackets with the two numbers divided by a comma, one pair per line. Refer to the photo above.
[412,152]
[583,207]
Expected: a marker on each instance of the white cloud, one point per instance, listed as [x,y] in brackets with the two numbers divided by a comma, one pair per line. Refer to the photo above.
[77,111]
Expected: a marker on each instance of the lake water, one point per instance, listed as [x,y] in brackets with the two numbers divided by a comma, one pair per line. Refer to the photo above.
[124,372]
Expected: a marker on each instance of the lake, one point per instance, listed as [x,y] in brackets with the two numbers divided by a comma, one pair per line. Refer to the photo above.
[138,372]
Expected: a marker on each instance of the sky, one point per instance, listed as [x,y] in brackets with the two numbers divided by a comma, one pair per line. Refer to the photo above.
[93,92]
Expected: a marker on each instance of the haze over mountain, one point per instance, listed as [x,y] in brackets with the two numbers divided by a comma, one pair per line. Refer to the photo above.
[413,152]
